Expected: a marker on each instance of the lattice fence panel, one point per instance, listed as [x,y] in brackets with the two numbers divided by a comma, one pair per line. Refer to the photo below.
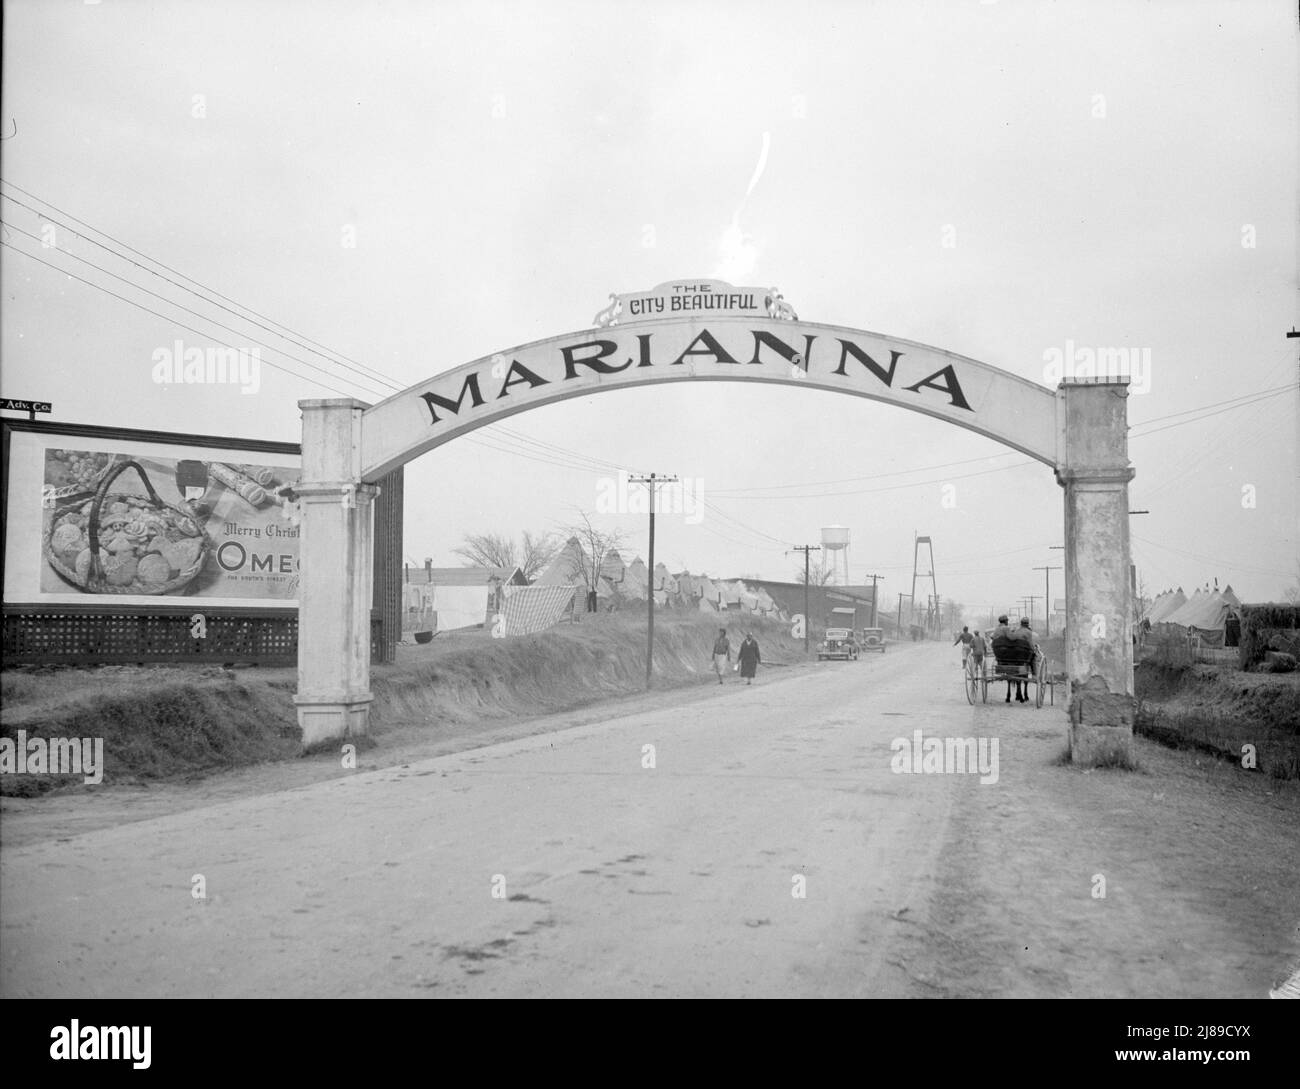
[75,637]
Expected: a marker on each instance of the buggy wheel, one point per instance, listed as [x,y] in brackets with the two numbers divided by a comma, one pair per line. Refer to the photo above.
[1038,684]
[972,686]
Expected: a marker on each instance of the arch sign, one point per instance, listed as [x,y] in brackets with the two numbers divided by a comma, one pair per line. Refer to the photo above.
[711,331]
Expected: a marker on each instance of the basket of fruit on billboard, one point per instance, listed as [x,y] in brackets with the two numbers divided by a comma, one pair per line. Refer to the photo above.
[118,543]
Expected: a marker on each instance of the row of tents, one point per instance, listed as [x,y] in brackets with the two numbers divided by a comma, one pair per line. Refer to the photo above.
[619,581]
[1212,614]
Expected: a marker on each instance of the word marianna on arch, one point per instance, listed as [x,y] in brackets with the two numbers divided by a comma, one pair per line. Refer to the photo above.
[759,347]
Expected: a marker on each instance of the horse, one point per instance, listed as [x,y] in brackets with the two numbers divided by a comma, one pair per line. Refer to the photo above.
[1012,656]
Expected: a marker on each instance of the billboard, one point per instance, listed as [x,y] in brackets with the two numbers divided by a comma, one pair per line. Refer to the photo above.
[98,515]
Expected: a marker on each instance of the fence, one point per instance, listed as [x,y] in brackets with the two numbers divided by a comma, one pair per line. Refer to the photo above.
[87,635]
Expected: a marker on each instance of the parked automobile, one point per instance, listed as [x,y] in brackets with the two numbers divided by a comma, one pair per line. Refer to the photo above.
[873,639]
[838,643]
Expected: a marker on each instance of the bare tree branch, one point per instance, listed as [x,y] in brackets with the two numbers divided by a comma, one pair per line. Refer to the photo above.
[536,553]
[487,550]
[818,575]
[593,546]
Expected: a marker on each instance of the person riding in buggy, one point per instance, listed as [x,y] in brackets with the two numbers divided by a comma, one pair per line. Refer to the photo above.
[1018,658]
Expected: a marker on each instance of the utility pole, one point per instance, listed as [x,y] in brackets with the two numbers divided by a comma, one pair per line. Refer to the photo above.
[1291,336]
[652,481]
[1030,599]
[805,549]
[874,610]
[1047,590]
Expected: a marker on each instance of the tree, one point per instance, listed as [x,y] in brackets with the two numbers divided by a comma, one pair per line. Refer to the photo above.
[593,545]
[1291,594]
[536,552]
[495,550]
[1142,600]
[818,575]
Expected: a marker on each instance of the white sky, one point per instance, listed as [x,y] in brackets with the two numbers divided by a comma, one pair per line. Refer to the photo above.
[505,166]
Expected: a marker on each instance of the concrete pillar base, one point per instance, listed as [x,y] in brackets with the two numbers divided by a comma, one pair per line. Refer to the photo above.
[1101,725]
[324,720]
[1101,746]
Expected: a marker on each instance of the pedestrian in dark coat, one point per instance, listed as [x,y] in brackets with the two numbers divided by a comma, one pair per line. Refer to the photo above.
[748,657]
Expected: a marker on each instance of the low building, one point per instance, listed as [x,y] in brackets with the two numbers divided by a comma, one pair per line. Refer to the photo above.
[828,606]
[449,598]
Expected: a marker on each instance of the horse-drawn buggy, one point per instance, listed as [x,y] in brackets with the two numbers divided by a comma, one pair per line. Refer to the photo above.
[1015,661]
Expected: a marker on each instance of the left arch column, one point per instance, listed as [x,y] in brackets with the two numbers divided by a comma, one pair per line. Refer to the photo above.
[335,576]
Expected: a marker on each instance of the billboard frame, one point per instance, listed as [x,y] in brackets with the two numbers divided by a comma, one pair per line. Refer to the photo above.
[68,633]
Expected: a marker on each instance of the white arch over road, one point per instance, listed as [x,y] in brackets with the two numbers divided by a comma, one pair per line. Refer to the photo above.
[1080,429]
[917,377]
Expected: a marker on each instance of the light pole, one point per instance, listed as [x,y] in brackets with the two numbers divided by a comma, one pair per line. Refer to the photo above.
[806,550]
[1047,600]
[652,481]
[874,610]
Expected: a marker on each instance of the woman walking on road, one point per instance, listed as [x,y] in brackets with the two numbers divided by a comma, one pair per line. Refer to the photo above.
[748,657]
[721,653]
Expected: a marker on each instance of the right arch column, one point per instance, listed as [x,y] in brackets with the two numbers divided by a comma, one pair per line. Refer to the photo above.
[1094,470]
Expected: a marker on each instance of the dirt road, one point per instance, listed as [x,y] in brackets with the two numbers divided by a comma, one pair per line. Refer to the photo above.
[771,850]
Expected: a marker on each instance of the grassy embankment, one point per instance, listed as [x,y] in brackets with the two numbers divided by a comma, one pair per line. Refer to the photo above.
[1218,710]
[167,722]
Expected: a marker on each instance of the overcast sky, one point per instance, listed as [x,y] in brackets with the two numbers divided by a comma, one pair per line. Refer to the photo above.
[414,185]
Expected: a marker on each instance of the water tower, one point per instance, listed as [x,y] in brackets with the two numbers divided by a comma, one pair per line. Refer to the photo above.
[835,543]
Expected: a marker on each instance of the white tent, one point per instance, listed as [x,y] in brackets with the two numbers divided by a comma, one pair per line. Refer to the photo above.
[1189,607]
[1205,615]
[566,568]
[1166,603]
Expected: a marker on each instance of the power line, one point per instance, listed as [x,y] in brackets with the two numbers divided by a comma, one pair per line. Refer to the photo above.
[1250,399]
[1231,564]
[1209,448]
[1213,404]
[172,302]
[735,492]
[160,264]
[182,325]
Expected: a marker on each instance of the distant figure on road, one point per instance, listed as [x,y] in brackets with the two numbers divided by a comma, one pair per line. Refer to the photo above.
[965,640]
[748,657]
[978,648]
[721,653]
